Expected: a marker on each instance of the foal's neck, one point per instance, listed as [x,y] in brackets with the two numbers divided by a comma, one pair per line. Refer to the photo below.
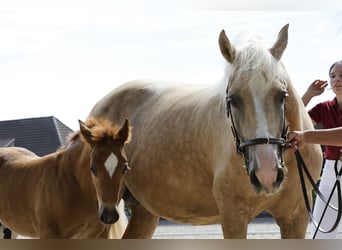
[75,160]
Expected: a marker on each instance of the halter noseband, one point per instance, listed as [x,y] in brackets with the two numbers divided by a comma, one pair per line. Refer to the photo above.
[242,145]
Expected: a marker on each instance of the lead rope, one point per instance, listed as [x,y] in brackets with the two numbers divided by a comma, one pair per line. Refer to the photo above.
[301,166]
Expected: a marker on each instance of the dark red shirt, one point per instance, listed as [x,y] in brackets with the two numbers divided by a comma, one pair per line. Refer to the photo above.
[328,114]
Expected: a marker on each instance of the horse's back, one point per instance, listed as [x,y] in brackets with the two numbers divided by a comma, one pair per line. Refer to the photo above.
[140,96]
[11,185]
[11,154]
[122,101]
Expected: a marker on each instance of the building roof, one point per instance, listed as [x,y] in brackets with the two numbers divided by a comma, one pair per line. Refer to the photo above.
[42,135]
[7,142]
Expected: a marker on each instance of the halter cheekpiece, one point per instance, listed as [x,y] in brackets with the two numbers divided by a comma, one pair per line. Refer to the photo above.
[242,145]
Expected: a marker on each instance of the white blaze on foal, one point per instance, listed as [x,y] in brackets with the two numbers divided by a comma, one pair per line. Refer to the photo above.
[111,164]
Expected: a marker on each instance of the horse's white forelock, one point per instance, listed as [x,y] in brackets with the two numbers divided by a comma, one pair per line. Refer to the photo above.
[252,57]
[253,63]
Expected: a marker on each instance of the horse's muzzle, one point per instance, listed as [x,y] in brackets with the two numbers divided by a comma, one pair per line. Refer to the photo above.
[108,215]
[260,189]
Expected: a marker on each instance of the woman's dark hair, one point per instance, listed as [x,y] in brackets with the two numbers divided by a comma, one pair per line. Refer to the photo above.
[340,61]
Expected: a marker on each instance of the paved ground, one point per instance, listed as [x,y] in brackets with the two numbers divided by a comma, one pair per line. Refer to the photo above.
[260,228]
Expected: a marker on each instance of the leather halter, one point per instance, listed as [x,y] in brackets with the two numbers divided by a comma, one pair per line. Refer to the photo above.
[242,145]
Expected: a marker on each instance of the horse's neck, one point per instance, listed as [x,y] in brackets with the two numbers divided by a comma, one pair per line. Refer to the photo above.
[296,115]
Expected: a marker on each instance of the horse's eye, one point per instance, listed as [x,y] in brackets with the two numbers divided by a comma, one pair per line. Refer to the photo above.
[93,169]
[234,100]
[281,96]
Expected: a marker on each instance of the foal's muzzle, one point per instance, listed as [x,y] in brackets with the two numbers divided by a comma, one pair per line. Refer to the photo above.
[108,215]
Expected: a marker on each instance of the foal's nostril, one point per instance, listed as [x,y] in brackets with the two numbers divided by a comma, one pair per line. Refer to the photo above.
[109,216]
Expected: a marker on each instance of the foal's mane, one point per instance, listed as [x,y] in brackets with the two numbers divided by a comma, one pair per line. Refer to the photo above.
[101,129]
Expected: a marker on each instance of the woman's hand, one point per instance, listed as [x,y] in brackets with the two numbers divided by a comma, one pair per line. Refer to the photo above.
[295,140]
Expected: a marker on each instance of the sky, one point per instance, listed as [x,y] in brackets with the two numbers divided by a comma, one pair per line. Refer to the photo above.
[58,58]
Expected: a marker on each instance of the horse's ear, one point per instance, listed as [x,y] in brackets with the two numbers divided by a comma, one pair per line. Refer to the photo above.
[85,132]
[227,49]
[124,132]
[281,43]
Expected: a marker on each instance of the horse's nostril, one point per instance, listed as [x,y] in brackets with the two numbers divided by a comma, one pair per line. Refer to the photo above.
[255,182]
[280,176]
[263,188]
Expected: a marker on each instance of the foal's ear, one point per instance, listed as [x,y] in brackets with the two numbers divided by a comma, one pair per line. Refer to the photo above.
[85,132]
[124,133]
[227,49]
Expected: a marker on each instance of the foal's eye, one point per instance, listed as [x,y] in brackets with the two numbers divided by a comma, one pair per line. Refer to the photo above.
[93,169]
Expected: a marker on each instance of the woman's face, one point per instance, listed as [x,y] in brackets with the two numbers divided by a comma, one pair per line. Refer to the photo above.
[336,78]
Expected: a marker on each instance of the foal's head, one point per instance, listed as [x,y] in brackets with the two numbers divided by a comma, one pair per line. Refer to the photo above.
[108,163]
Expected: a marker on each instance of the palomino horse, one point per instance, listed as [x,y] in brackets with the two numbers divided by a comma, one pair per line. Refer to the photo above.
[72,193]
[190,145]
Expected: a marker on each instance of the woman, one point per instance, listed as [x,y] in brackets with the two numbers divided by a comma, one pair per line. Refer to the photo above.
[329,115]
[331,137]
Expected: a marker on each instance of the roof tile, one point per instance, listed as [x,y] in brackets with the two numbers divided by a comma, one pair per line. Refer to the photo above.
[42,135]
